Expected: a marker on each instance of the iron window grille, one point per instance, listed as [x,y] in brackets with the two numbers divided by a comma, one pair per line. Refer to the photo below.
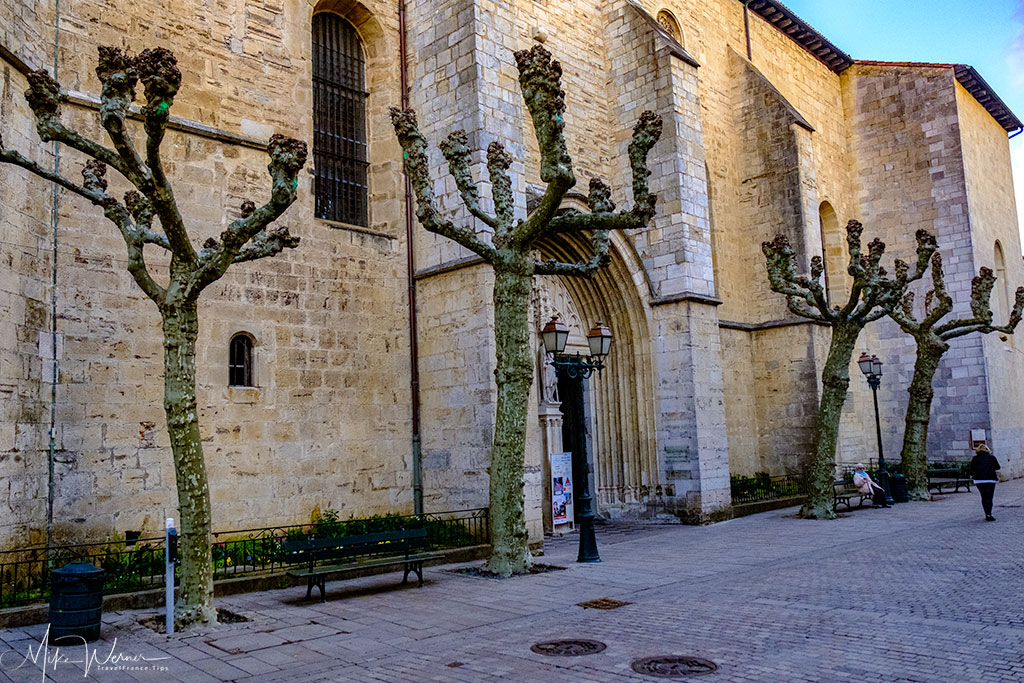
[339,121]
[240,361]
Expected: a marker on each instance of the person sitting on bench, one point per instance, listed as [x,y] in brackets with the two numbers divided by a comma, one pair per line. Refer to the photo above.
[868,487]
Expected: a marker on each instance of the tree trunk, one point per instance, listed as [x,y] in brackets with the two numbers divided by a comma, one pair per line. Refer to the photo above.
[513,374]
[835,380]
[915,434]
[195,598]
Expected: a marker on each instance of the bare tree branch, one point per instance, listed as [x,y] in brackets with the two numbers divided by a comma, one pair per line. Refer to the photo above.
[267,244]
[455,149]
[13,157]
[1015,314]
[158,70]
[539,79]
[600,259]
[782,277]
[414,146]
[44,98]
[498,163]
[142,212]
[116,71]
[95,181]
[645,134]
[287,157]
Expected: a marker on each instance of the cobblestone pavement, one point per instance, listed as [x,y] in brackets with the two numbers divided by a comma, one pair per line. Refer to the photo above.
[920,592]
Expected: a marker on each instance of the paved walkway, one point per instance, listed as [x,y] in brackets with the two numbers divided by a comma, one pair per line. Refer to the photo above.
[921,592]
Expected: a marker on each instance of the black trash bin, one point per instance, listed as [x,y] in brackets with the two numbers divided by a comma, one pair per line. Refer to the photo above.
[898,488]
[76,603]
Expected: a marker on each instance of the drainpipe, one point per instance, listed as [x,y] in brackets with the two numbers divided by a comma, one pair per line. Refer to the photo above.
[746,26]
[414,365]
[1017,132]
[55,220]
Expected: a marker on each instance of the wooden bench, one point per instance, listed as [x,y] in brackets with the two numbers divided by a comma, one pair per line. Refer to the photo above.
[844,491]
[952,476]
[324,557]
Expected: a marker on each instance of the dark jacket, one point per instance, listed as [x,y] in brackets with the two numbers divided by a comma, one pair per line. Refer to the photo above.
[984,466]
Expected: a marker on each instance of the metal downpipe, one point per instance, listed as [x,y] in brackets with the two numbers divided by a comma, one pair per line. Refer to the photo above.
[414,368]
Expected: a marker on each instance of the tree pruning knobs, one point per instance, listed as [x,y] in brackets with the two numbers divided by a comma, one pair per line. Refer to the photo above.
[115,64]
[158,70]
[647,130]
[94,175]
[288,153]
[43,94]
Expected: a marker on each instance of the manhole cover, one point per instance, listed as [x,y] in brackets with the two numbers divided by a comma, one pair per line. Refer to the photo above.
[602,603]
[568,648]
[674,667]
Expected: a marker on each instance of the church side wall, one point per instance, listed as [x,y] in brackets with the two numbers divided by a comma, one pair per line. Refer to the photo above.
[993,214]
[328,424]
[908,162]
[26,244]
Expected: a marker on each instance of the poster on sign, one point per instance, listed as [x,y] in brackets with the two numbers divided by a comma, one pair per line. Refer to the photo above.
[561,488]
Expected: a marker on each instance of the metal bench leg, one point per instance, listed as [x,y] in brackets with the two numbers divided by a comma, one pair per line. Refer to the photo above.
[405,577]
[322,585]
[309,588]
[419,572]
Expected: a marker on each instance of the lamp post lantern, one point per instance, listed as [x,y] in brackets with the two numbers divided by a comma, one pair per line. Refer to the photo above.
[599,339]
[871,366]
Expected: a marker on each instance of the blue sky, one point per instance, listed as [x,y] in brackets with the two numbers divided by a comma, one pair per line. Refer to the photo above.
[987,34]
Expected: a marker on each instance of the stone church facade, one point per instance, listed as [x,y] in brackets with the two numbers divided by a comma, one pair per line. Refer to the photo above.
[305,372]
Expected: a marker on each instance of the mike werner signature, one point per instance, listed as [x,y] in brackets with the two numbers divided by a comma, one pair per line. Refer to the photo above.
[51,658]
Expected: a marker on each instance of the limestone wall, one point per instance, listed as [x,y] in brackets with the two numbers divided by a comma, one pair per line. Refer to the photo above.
[993,216]
[908,165]
[328,423]
[26,245]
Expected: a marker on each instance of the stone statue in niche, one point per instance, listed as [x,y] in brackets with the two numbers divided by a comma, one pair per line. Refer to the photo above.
[548,378]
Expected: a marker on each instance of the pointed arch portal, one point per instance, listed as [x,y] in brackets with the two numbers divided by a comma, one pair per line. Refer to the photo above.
[618,404]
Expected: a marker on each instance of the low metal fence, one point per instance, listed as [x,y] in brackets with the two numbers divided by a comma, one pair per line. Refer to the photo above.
[134,565]
[762,486]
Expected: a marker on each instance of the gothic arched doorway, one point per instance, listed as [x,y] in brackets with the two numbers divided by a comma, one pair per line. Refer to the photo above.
[613,416]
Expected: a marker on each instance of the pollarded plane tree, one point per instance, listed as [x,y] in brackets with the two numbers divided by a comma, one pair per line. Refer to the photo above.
[805,297]
[509,254]
[190,271]
[931,335]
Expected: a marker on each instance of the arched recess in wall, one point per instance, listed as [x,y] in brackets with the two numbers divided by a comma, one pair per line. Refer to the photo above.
[712,227]
[383,88]
[1002,303]
[622,396]
[669,22]
[834,256]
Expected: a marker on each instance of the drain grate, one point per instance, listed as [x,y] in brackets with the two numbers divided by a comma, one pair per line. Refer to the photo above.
[674,667]
[602,603]
[1007,506]
[568,648]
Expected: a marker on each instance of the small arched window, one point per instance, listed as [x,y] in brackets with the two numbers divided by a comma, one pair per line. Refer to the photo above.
[240,361]
[669,23]
[832,250]
[339,121]
[1002,308]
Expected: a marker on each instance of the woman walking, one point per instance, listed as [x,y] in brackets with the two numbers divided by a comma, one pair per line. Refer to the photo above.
[984,466]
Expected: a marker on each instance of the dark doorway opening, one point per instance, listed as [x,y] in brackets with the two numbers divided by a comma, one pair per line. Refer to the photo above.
[574,430]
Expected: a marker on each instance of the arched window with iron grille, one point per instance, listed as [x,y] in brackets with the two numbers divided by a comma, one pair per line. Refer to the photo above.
[240,361]
[339,121]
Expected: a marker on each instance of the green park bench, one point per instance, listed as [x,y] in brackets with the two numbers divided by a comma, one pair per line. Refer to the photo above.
[327,557]
[844,492]
[948,476]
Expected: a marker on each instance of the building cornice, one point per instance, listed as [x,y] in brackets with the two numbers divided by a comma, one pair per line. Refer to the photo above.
[800,32]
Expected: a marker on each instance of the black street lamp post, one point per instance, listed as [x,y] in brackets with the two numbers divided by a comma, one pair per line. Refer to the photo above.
[871,366]
[556,334]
